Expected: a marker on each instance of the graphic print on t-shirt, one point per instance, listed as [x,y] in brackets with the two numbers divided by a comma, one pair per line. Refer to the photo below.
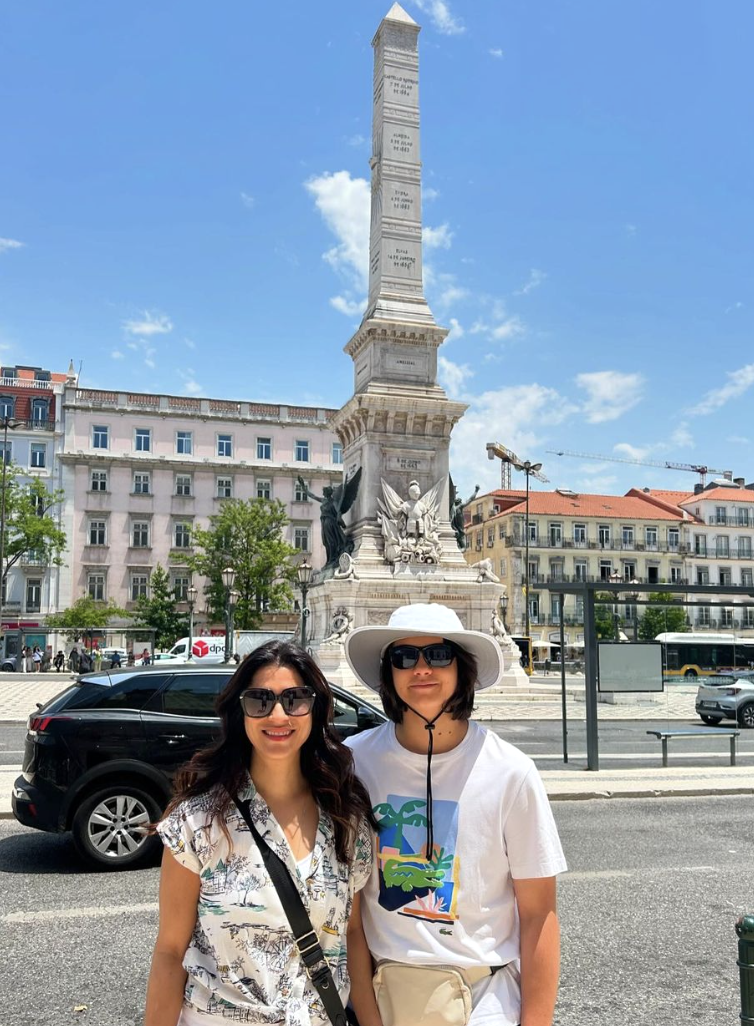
[410,883]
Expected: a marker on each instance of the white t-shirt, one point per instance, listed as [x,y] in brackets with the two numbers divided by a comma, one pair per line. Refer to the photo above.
[492,824]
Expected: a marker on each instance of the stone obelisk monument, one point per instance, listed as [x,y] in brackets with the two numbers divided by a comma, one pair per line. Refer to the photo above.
[396,427]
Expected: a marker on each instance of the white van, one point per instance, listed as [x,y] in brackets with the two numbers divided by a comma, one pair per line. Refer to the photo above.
[211,649]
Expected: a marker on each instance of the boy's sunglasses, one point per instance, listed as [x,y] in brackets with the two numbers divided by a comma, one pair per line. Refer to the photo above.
[405,657]
[259,702]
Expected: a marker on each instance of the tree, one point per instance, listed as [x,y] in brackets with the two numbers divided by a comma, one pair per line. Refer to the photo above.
[31,529]
[158,611]
[247,535]
[83,614]
[663,615]
[605,617]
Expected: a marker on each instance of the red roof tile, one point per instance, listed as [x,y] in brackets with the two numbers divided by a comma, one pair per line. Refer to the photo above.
[728,494]
[624,507]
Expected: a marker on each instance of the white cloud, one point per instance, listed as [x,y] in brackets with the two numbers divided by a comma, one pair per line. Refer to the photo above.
[536,277]
[456,331]
[7,244]
[357,141]
[632,452]
[442,17]
[437,238]
[430,194]
[506,328]
[149,355]
[189,343]
[192,387]
[343,202]
[453,376]
[681,438]
[152,324]
[737,440]
[348,306]
[248,201]
[450,292]
[739,381]
[738,305]
[117,355]
[497,53]
[610,394]
[630,230]
[602,484]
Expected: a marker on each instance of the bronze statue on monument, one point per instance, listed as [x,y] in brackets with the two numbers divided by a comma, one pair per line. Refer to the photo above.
[334,502]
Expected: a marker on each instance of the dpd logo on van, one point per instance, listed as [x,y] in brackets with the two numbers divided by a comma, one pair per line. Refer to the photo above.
[200,649]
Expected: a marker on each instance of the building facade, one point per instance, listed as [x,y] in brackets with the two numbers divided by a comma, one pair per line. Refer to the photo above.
[141,470]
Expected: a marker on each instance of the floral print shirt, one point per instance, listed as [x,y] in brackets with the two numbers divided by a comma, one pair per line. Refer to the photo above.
[242,963]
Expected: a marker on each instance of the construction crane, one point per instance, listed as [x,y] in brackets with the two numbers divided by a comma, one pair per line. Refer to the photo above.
[695,468]
[509,459]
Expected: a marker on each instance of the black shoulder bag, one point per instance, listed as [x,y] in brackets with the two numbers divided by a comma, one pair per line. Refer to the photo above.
[307,943]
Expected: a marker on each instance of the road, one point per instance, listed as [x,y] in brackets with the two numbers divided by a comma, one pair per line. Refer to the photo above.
[647,909]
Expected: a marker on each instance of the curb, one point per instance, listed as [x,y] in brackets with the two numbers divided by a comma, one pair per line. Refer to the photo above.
[685,792]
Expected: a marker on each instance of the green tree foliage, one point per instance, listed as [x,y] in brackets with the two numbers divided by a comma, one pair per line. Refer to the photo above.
[158,611]
[31,526]
[247,535]
[604,618]
[84,613]
[663,615]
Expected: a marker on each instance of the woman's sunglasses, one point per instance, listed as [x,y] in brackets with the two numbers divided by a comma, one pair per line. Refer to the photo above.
[259,702]
[405,657]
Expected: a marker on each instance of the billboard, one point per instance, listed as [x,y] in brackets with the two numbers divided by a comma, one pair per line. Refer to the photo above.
[630,667]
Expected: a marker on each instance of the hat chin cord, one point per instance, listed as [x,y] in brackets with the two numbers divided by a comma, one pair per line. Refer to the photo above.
[429,725]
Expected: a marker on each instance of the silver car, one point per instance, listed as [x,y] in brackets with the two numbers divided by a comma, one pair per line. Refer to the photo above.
[726,698]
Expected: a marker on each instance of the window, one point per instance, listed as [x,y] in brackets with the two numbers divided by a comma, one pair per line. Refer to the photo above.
[742,516]
[533,570]
[629,571]
[700,545]
[225,445]
[38,455]
[7,406]
[674,537]
[702,575]
[627,536]
[225,487]
[33,595]
[301,451]
[97,532]
[702,616]
[580,571]
[578,610]
[490,537]
[264,489]
[534,610]
[606,569]
[747,578]
[676,575]
[744,547]
[133,692]
[501,531]
[300,494]
[653,575]
[720,514]
[95,586]
[556,536]
[556,570]
[725,577]
[194,694]
[38,502]
[301,538]
[141,483]
[183,484]
[579,534]
[141,534]
[532,528]
[184,443]
[99,480]
[748,617]
[40,411]
[336,453]
[264,448]
[726,617]
[603,534]
[143,440]
[722,545]
[182,535]
[555,608]
[139,586]
[7,453]
[180,588]
[503,568]
[100,436]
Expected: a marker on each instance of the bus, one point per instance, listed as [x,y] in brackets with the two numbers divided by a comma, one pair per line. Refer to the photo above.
[705,655]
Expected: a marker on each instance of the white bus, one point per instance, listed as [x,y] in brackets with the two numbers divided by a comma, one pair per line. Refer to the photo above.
[705,655]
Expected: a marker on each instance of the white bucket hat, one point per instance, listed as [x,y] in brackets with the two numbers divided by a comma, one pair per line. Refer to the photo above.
[365,645]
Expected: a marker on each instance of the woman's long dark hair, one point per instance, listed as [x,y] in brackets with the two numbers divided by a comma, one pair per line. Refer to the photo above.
[326,763]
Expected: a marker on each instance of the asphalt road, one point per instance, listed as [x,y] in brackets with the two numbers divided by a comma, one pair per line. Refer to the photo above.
[647,909]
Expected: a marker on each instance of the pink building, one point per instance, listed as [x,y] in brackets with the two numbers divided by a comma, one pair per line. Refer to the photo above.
[141,470]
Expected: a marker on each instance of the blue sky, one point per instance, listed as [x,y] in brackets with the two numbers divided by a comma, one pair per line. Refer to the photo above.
[184,208]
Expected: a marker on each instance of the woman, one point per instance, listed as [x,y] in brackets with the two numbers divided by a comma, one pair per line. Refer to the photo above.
[225,950]
[467,850]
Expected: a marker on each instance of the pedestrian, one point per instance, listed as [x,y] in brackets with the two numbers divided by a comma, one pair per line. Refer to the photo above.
[146,657]
[236,658]
[279,760]
[29,659]
[547,666]
[85,662]
[59,661]
[74,660]
[115,663]
[459,913]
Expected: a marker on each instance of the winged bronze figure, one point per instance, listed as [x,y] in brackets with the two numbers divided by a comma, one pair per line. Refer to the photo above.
[334,502]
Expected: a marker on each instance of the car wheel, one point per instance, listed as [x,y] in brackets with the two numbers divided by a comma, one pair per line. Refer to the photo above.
[691,673]
[713,721]
[746,715]
[8,668]
[109,828]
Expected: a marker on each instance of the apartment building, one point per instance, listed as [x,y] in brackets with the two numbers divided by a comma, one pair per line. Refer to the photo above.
[31,434]
[574,537]
[140,470]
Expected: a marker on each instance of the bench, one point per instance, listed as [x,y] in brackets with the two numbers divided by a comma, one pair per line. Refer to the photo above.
[730,732]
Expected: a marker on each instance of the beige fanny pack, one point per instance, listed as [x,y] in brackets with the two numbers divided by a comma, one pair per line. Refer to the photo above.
[426,995]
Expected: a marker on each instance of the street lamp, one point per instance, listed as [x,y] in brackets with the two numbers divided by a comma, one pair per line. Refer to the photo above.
[304,572]
[8,424]
[615,578]
[504,608]
[191,595]
[228,578]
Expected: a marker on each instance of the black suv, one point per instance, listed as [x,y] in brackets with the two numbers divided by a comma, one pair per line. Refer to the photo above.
[99,757]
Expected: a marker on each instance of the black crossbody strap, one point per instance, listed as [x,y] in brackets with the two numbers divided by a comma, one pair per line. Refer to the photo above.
[306,939]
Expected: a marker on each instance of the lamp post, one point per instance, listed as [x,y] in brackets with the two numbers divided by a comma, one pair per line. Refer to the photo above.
[233,598]
[191,599]
[615,578]
[229,577]
[8,424]
[304,572]
[504,608]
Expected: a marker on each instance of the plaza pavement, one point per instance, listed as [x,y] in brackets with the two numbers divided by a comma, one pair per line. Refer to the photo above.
[20,693]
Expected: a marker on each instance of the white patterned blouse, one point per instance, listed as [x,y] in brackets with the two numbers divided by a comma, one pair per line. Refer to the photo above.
[242,962]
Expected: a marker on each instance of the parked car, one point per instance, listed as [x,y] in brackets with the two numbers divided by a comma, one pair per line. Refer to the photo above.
[100,756]
[726,698]
[8,665]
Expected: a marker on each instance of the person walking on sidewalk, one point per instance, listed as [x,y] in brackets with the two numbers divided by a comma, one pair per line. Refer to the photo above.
[59,661]
[459,914]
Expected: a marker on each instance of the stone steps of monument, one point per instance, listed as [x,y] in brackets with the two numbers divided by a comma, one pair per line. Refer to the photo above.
[504,692]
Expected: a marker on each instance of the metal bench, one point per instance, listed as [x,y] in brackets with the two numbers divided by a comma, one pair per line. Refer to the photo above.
[730,732]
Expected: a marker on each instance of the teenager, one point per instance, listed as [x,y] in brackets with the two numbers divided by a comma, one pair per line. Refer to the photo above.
[467,850]
[225,950]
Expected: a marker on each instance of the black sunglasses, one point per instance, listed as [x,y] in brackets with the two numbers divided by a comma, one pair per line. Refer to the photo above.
[259,702]
[405,657]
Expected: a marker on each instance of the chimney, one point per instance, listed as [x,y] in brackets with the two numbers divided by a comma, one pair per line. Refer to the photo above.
[728,475]
[740,481]
[698,487]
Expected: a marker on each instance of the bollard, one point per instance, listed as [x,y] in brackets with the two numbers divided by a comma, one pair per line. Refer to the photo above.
[745,931]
